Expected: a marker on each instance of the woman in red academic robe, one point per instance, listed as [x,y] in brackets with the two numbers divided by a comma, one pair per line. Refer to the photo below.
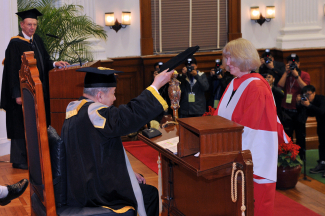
[248,100]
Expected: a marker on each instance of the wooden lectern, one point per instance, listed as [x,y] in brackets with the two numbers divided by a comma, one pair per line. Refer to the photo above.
[66,85]
[202,185]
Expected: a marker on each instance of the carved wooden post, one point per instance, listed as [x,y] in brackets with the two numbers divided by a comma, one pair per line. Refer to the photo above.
[174,93]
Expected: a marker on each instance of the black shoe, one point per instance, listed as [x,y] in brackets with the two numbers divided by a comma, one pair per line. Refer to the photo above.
[14,191]
[20,166]
[319,168]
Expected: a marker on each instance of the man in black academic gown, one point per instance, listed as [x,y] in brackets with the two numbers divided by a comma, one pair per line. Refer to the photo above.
[27,40]
[98,170]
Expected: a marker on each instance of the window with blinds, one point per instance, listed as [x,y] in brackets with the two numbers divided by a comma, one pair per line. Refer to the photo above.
[176,25]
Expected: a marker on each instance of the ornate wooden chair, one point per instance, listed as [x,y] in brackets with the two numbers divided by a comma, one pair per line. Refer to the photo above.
[46,199]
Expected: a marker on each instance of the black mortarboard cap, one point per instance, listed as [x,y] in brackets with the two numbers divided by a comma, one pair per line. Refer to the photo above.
[99,77]
[32,13]
[179,59]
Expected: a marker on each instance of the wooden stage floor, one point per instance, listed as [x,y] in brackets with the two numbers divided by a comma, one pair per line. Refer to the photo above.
[310,194]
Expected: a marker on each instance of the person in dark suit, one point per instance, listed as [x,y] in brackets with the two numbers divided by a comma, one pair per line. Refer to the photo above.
[11,101]
[268,63]
[277,92]
[315,106]
[194,84]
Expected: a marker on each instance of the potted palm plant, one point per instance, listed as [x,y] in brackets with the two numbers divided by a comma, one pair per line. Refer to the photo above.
[289,165]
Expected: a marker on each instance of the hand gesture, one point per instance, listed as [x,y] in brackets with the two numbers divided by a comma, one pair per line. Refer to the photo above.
[162,78]
[194,72]
[61,64]
[212,72]
[140,178]
[19,100]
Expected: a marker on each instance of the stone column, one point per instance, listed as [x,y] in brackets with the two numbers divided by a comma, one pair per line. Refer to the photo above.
[302,26]
[97,51]
[10,25]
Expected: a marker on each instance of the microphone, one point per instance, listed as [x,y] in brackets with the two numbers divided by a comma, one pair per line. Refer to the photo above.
[54,36]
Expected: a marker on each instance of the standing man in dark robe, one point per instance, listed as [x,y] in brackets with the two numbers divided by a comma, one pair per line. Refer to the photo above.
[11,101]
[98,170]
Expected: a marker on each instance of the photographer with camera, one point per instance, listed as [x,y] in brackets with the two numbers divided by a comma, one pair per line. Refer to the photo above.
[292,81]
[163,91]
[268,63]
[277,92]
[315,106]
[193,85]
[157,67]
[218,80]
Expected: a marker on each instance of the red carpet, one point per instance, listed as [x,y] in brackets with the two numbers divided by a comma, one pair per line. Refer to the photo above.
[147,155]
[284,206]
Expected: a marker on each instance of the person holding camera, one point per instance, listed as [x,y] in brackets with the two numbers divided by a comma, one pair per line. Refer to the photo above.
[315,106]
[163,91]
[292,81]
[218,81]
[193,85]
[156,66]
[268,63]
[278,93]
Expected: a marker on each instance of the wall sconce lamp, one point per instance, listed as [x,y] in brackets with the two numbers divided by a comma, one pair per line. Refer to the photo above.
[258,17]
[109,20]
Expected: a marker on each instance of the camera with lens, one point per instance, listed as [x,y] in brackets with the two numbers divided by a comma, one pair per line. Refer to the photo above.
[267,55]
[189,66]
[217,68]
[293,65]
[304,97]
[159,64]
[267,60]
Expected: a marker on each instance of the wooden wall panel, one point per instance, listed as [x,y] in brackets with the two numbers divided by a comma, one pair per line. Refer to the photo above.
[234,19]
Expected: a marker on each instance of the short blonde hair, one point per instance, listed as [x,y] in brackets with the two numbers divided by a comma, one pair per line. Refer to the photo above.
[243,55]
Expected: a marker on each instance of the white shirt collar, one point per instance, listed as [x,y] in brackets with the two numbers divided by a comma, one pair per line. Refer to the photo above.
[27,37]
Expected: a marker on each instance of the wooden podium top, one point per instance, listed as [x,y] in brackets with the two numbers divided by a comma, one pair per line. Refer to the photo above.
[217,139]
[209,124]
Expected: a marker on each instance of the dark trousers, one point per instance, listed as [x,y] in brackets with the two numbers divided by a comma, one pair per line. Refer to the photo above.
[299,127]
[151,199]
[18,153]
[321,141]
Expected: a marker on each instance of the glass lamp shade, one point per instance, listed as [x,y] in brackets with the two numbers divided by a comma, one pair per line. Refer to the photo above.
[270,12]
[126,18]
[109,19]
[255,13]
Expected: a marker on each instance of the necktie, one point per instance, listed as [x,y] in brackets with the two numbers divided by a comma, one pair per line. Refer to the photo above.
[33,45]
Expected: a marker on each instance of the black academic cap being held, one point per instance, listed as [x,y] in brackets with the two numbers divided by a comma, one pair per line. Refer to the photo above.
[179,59]
[99,77]
[32,13]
